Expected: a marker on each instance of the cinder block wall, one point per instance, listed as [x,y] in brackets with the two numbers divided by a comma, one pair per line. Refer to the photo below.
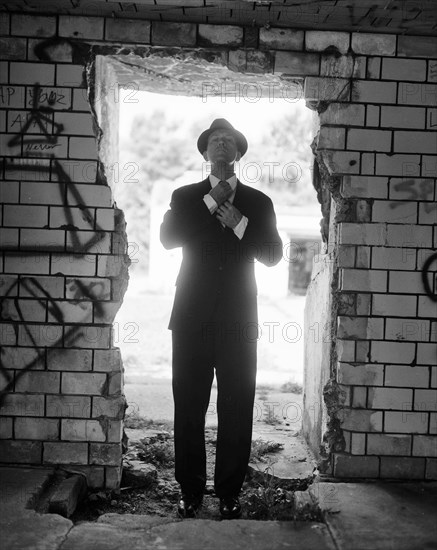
[64,271]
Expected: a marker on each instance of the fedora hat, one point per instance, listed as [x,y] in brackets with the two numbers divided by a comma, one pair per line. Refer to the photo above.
[221,124]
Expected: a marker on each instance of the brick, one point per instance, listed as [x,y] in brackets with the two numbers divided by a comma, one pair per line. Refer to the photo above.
[406,376]
[4,23]
[72,264]
[417,46]
[38,239]
[413,93]
[411,189]
[23,358]
[115,431]
[89,242]
[369,43]
[386,444]
[80,218]
[36,428]
[38,382]
[6,428]
[88,289]
[105,219]
[41,286]
[296,63]
[173,34]
[373,68]
[65,453]
[9,238]
[402,117]
[425,400]
[25,216]
[128,30]
[20,452]
[259,62]
[87,336]
[88,195]
[32,25]
[22,404]
[80,99]
[433,423]
[12,97]
[355,466]
[105,454]
[40,334]
[69,359]
[425,445]
[82,430]
[431,119]
[61,52]
[405,422]
[9,191]
[29,73]
[111,407]
[408,235]
[70,75]
[434,377]
[369,140]
[237,61]
[394,211]
[331,138]
[83,383]
[30,310]
[365,91]
[364,280]
[109,266]
[13,48]
[326,89]
[68,406]
[390,398]
[372,115]
[393,352]
[407,329]
[341,162]
[224,35]
[412,142]
[427,213]
[393,258]
[70,312]
[397,69]
[402,468]
[316,41]
[431,468]
[345,350]
[281,39]
[359,397]
[343,114]
[107,360]
[360,328]
[81,27]
[429,166]
[361,420]
[406,282]
[113,477]
[54,98]
[26,262]
[8,285]
[364,186]
[42,193]
[358,444]
[407,166]
[28,169]
[82,148]
[66,496]
[427,308]
[75,123]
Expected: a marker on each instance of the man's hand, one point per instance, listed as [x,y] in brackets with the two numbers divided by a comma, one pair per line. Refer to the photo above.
[229,215]
[221,192]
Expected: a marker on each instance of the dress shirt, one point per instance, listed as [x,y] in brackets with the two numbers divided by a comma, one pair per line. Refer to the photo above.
[240,228]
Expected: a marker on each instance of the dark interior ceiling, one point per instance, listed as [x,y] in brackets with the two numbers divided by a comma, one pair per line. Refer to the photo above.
[381,16]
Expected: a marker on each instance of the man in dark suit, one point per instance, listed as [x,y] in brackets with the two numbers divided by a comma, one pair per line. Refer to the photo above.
[223,226]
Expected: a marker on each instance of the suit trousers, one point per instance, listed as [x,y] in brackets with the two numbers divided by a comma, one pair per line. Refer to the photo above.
[229,348]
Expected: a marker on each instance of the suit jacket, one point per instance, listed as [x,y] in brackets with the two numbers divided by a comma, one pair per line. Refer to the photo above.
[216,264]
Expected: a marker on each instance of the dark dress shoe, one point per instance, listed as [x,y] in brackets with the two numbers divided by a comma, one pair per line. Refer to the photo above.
[230,508]
[188,505]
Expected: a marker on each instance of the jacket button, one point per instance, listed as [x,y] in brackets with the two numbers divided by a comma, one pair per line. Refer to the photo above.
[220,268]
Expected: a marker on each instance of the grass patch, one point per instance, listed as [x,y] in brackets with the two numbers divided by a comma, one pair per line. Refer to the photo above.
[260,448]
[135,421]
[159,451]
